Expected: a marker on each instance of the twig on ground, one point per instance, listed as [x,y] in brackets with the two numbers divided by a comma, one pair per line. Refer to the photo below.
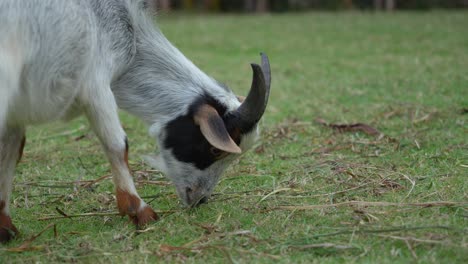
[418,240]
[89,183]
[273,192]
[350,127]
[64,184]
[145,230]
[26,246]
[424,117]
[417,144]
[368,204]
[61,212]
[94,214]
[322,245]
[410,248]
[413,184]
[76,215]
[53,186]
[379,231]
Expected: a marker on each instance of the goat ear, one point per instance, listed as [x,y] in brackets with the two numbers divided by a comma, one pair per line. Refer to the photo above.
[156,162]
[213,129]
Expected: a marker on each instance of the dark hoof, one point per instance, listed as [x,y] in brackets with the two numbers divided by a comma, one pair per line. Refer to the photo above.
[7,234]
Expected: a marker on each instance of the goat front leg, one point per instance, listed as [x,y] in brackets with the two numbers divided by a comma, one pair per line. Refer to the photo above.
[12,142]
[101,110]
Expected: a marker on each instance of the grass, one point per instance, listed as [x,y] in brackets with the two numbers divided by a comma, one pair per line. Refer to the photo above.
[306,193]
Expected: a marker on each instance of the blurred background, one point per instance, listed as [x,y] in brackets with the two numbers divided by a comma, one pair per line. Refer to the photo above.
[259,6]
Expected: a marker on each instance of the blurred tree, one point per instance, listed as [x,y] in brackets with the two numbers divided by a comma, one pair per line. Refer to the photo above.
[259,6]
[388,5]
[378,4]
[163,4]
[279,5]
[288,5]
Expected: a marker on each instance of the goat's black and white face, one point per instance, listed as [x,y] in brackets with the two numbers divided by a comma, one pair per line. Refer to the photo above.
[191,162]
[197,147]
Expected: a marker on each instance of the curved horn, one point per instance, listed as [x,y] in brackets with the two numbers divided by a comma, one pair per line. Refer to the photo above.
[252,109]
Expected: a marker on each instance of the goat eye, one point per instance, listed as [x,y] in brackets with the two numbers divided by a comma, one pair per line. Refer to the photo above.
[216,152]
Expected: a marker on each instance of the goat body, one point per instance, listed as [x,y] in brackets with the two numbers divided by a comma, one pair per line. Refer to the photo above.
[59,59]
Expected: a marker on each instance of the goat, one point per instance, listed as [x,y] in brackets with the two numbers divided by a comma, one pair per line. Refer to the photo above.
[63,58]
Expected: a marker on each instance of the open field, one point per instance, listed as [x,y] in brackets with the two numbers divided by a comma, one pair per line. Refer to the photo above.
[307,192]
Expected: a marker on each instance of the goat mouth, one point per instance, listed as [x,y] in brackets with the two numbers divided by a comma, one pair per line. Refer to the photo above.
[196,203]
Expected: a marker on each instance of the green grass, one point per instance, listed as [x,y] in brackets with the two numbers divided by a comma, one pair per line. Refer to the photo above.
[405,74]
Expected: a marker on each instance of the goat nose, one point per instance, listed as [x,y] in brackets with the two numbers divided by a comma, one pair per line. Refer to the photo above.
[203,200]
[193,198]
[188,195]
[200,201]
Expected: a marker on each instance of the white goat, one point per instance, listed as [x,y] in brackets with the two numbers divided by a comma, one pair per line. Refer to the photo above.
[61,58]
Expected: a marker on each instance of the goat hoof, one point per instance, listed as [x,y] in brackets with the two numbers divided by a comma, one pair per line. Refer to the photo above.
[128,204]
[131,205]
[144,217]
[8,233]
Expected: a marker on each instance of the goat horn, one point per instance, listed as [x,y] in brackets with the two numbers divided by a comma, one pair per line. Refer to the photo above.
[253,107]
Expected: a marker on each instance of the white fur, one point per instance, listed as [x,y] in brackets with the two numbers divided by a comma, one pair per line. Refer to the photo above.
[61,58]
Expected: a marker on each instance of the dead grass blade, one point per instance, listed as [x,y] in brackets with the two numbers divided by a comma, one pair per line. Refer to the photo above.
[145,230]
[385,230]
[76,215]
[272,193]
[413,184]
[26,246]
[418,240]
[369,204]
[322,245]
[169,248]
[88,184]
[61,212]
[64,184]
[63,215]
[365,128]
